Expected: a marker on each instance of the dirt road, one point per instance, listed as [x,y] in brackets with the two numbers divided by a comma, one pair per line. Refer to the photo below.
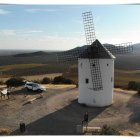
[58,112]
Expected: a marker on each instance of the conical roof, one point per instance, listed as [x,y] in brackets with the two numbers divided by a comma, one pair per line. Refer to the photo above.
[96,50]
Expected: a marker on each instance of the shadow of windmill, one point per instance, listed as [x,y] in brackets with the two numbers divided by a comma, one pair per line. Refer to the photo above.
[61,122]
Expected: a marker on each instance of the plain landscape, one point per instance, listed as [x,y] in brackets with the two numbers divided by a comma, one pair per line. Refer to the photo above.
[58,112]
[20,63]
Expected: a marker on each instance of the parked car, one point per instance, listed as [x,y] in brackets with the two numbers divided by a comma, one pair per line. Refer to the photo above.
[35,87]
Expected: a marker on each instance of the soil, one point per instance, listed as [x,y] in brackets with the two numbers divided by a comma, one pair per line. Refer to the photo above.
[58,112]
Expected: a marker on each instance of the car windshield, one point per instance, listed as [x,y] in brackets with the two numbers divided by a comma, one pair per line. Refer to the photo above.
[35,85]
[29,84]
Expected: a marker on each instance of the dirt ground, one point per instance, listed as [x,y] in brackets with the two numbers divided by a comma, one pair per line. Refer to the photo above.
[58,112]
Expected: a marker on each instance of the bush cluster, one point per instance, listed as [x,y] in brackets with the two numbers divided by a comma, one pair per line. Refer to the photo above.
[107,130]
[57,80]
[61,80]
[133,85]
[139,91]
[1,83]
[46,80]
[15,82]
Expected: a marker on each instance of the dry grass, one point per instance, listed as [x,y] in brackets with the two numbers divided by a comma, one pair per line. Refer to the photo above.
[2,86]
[5,131]
[19,66]
[34,77]
[40,77]
[92,130]
[123,77]
[52,86]
[132,92]
[128,133]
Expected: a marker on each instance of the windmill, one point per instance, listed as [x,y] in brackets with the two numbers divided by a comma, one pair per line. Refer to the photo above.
[95,66]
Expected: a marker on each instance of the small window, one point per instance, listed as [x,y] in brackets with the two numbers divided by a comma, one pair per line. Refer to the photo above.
[87,81]
[93,65]
[107,64]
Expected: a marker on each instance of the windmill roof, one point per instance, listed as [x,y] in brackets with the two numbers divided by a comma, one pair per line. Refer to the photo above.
[97,50]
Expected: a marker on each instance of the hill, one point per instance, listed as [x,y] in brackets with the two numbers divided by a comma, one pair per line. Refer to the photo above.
[32,54]
[5,52]
[122,62]
[136,49]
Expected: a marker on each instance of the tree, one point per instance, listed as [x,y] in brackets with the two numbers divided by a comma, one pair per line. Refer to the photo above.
[132,85]
[16,81]
[139,90]
[46,80]
[1,82]
[61,80]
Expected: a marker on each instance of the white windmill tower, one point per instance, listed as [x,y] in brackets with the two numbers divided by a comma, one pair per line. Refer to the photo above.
[95,66]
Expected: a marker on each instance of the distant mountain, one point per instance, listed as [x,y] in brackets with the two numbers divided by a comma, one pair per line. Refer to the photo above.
[38,53]
[13,52]
[28,53]
[136,48]
[23,52]
[124,61]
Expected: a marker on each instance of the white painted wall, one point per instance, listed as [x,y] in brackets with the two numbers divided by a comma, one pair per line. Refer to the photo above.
[86,94]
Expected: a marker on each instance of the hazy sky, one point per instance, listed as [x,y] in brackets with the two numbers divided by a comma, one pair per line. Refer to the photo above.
[60,27]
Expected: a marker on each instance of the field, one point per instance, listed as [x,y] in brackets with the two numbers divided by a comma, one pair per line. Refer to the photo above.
[39,71]
[40,77]
[37,64]
[31,69]
[19,66]
[122,77]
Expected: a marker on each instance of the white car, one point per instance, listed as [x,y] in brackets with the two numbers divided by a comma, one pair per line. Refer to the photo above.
[34,87]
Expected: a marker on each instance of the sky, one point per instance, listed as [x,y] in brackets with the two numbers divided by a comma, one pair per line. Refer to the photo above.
[60,27]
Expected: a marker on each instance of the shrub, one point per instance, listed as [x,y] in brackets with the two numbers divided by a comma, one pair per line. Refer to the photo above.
[139,90]
[61,80]
[36,81]
[5,131]
[132,85]
[16,81]
[46,80]
[107,130]
[1,83]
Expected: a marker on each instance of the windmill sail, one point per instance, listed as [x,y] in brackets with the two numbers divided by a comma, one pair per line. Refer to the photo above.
[90,38]
[89,27]
[122,48]
[96,74]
